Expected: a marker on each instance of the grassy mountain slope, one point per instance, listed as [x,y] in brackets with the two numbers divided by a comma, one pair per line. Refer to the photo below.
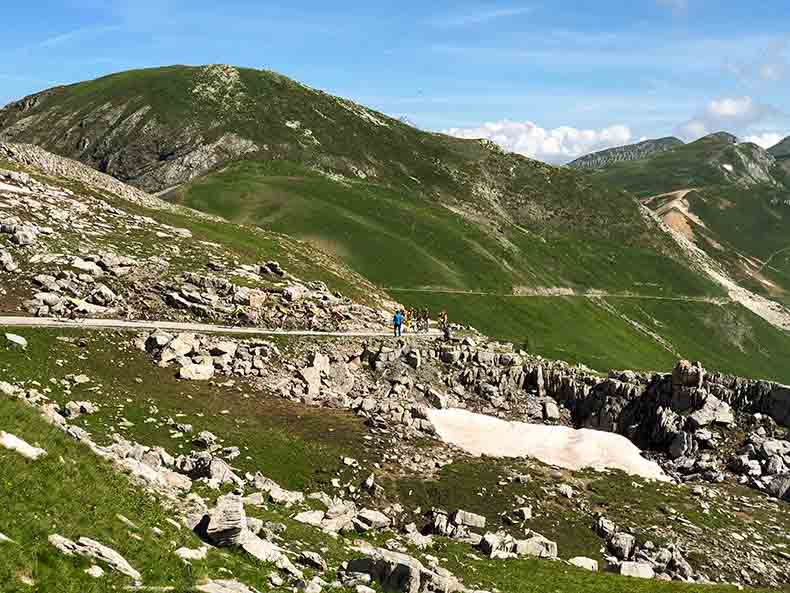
[399,239]
[73,493]
[403,208]
[781,152]
[163,127]
[732,201]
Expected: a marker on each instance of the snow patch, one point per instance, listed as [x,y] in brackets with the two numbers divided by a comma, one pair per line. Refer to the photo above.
[554,445]
[728,168]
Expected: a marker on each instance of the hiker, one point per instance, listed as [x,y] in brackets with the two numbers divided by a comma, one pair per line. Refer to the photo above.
[406,320]
[397,322]
[426,320]
[444,324]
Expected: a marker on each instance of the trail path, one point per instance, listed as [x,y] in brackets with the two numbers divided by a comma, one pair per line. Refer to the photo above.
[772,256]
[122,324]
[563,292]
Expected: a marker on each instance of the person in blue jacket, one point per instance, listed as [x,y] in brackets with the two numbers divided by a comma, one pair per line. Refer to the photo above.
[397,323]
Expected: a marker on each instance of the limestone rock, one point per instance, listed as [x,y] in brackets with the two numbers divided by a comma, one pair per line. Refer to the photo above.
[227,522]
[467,519]
[641,570]
[622,545]
[14,443]
[17,340]
[93,549]
[400,573]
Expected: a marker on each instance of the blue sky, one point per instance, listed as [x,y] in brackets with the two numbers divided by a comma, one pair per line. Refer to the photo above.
[549,78]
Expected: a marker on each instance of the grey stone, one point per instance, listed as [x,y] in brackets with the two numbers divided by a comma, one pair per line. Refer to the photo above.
[467,519]
[641,570]
[17,340]
[622,545]
[93,549]
[585,563]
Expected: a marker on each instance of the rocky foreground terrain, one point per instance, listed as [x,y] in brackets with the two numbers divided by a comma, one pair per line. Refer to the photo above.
[180,461]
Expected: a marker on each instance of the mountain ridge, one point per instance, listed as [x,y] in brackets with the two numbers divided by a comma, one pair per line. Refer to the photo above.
[628,152]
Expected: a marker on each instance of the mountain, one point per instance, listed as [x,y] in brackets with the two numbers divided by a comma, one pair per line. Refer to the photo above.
[781,152]
[730,199]
[549,257]
[160,430]
[192,404]
[631,152]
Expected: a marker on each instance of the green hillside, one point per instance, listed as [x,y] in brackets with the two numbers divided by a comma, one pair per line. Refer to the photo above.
[399,239]
[739,204]
[404,208]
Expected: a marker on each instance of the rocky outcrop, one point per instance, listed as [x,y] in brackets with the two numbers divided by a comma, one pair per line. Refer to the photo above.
[631,152]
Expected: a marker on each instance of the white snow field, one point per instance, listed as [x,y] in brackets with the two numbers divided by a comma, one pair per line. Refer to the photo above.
[560,446]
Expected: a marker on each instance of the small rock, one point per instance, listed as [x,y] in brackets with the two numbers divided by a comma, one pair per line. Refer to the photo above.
[585,563]
[17,340]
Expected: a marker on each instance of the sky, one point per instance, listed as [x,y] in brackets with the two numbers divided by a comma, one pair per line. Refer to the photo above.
[552,79]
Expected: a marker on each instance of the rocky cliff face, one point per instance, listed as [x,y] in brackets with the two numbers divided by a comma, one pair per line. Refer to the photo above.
[631,152]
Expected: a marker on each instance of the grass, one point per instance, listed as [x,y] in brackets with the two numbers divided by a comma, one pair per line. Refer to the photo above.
[297,446]
[396,238]
[600,332]
[684,167]
[741,219]
[482,486]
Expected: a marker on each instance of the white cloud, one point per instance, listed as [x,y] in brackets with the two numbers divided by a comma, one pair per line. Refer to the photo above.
[731,114]
[729,107]
[557,145]
[482,15]
[766,140]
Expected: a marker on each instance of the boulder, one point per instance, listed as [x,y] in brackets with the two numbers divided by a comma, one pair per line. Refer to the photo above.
[780,487]
[537,546]
[551,411]
[192,554]
[467,519]
[226,525]
[605,528]
[682,445]
[16,340]
[622,545]
[196,372]
[713,411]
[313,560]
[314,518]
[401,573]
[224,586]
[641,570]
[585,563]
[368,519]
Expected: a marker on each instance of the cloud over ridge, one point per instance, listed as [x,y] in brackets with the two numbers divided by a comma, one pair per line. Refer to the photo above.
[555,145]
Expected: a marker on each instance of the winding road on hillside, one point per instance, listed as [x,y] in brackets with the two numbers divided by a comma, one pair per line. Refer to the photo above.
[177,326]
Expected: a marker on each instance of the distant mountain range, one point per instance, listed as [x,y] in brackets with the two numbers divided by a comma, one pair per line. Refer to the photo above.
[631,152]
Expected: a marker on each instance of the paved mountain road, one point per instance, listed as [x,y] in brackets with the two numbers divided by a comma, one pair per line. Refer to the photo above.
[132,325]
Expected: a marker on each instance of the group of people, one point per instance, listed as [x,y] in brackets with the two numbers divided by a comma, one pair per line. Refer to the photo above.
[414,320]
